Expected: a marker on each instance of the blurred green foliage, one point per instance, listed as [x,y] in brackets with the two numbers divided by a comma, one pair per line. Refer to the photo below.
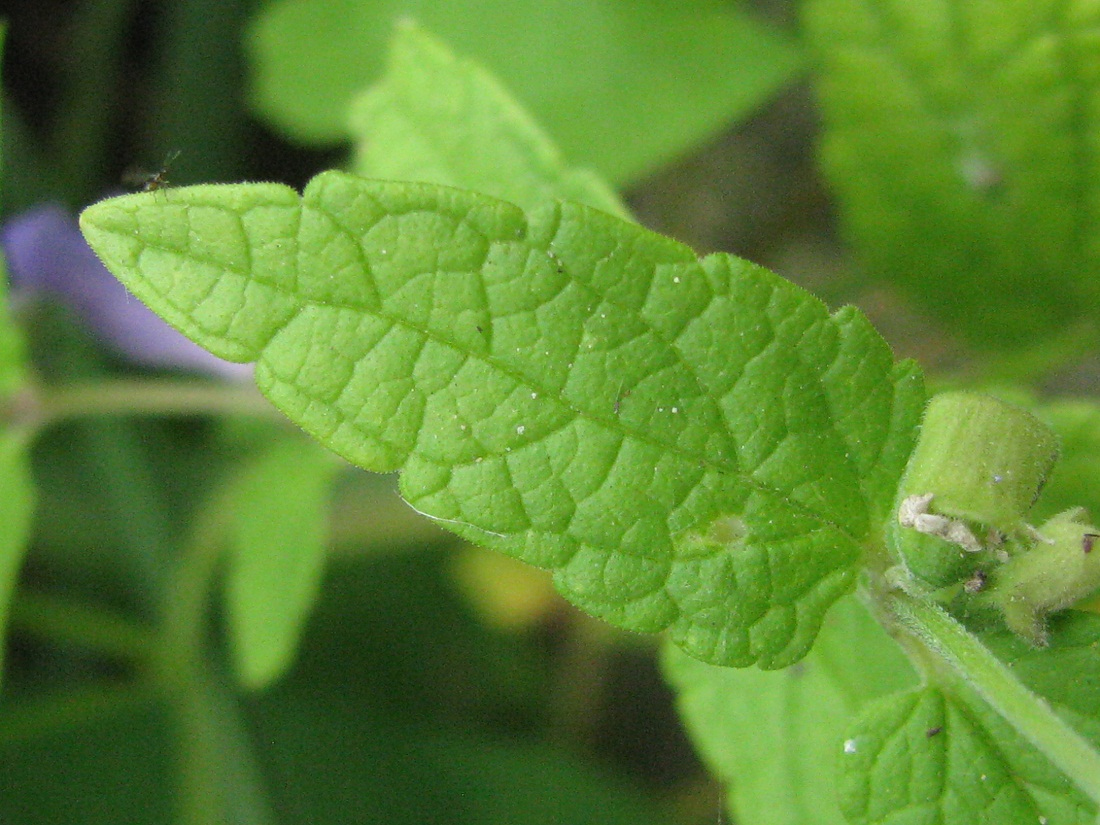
[621,86]
[965,172]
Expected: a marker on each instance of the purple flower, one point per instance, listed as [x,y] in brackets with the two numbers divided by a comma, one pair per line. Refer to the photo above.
[48,256]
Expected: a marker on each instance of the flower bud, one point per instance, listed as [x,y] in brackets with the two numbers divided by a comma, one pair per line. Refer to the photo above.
[974,474]
[1061,568]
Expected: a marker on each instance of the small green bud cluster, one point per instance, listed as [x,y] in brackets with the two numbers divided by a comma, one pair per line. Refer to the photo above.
[1059,570]
[962,506]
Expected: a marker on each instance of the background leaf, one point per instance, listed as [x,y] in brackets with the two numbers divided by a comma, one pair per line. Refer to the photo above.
[693,445]
[773,737]
[958,139]
[927,756]
[615,82]
[118,763]
[1075,481]
[16,512]
[382,720]
[385,719]
[438,119]
[16,485]
[277,552]
[12,347]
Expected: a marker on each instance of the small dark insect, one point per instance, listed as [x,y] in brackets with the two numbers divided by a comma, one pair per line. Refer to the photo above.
[620,396]
[1088,540]
[932,732]
[150,181]
[975,583]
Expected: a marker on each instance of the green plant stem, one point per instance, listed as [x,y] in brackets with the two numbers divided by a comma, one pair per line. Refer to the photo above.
[184,628]
[61,620]
[1029,714]
[200,792]
[181,670]
[147,397]
[220,778]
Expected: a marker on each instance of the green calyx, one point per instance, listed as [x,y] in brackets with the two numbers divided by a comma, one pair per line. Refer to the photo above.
[985,460]
[978,467]
[962,507]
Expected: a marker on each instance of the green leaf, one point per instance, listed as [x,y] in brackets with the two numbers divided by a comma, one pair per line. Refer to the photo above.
[16,511]
[692,445]
[959,140]
[12,348]
[16,487]
[773,736]
[438,119]
[926,756]
[12,345]
[108,761]
[277,554]
[616,83]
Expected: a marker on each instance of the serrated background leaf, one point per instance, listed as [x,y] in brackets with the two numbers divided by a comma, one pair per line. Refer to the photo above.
[438,119]
[615,82]
[958,139]
[276,555]
[926,756]
[695,445]
[772,736]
